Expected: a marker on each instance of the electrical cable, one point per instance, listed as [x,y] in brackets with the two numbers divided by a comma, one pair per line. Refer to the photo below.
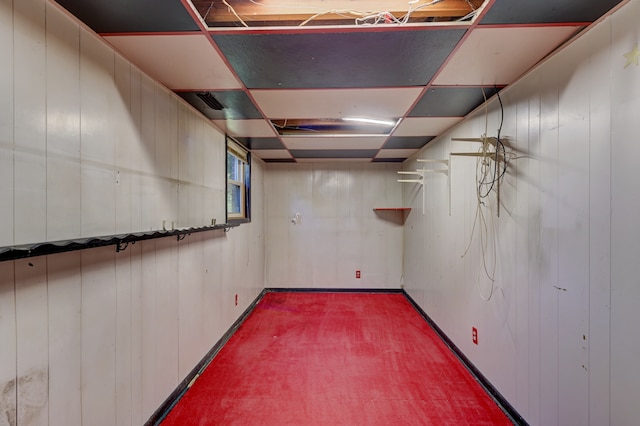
[232,10]
[361,17]
[488,167]
[467,16]
[204,18]
[499,147]
[405,18]
[483,170]
[335,11]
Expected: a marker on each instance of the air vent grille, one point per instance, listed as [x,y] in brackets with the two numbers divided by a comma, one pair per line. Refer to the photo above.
[211,102]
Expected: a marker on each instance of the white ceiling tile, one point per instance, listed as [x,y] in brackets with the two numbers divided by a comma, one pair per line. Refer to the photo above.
[181,62]
[501,55]
[424,126]
[336,103]
[271,154]
[396,153]
[335,142]
[246,128]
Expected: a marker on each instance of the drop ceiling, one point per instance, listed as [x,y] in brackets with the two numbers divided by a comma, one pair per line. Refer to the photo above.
[286,88]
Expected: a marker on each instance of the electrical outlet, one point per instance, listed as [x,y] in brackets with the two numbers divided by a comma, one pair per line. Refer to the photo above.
[474,335]
[357,274]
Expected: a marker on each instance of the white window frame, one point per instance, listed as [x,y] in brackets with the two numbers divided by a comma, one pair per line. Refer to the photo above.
[242,156]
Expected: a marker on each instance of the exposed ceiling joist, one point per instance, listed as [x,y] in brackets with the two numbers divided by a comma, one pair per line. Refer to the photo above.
[224,13]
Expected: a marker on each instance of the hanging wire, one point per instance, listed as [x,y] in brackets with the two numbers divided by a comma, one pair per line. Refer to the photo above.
[499,149]
[204,18]
[360,17]
[232,10]
[484,169]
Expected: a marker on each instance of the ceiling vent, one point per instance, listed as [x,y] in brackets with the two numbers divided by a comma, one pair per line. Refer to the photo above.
[211,102]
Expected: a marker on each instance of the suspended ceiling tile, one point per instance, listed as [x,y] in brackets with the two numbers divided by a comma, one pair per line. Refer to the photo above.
[450,101]
[246,128]
[388,160]
[261,143]
[407,142]
[336,103]
[338,59]
[500,55]
[181,62]
[396,153]
[335,142]
[271,154]
[237,105]
[279,160]
[423,126]
[334,153]
[547,11]
[334,160]
[122,16]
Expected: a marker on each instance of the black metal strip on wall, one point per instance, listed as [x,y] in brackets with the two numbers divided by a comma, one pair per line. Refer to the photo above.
[121,241]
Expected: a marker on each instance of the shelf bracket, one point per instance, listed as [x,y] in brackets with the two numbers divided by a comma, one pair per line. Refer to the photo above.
[419,181]
[445,171]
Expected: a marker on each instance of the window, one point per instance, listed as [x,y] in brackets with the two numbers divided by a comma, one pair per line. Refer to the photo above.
[238,182]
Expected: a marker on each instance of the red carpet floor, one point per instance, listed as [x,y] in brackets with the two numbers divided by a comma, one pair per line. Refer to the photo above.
[335,359]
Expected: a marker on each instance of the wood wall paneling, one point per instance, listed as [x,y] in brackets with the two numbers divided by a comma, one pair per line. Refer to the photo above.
[625,201]
[99,331]
[6,124]
[8,348]
[64,287]
[573,238]
[601,61]
[32,341]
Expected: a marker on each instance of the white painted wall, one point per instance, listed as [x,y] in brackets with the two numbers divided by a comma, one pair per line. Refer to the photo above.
[558,337]
[89,145]
[339,232]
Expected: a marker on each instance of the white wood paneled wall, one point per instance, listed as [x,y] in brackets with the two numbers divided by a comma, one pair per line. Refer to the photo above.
[96,337]
[89,145]
[339,232]
[558,337]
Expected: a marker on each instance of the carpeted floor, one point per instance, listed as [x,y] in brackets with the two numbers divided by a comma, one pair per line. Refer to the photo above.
[335,359]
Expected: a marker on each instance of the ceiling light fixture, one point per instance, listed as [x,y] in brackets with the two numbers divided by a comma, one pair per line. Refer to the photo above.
[371,121]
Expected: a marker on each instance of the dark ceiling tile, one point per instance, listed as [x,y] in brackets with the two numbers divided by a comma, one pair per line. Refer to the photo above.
[338,60]
[261,143]
[388,160]
[334,153]
[123,16]
[546,11]
[450,101]
[237,105]
[279,160]
[407,142]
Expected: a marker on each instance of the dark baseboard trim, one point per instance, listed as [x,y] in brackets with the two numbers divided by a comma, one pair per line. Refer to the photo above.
[506,407]
[334,290]
[158,416]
